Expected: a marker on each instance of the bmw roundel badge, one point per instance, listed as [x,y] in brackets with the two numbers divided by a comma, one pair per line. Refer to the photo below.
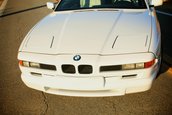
[76,57]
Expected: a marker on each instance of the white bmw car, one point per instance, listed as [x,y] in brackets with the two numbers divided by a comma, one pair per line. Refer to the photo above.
[93,48]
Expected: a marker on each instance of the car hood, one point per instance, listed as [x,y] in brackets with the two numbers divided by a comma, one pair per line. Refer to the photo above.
[91,32]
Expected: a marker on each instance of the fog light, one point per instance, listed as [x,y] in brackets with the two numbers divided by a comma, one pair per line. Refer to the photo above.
[35,65]
[139,65]
[25,63]
[128,66]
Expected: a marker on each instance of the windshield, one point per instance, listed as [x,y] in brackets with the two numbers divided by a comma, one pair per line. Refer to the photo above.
[92,4]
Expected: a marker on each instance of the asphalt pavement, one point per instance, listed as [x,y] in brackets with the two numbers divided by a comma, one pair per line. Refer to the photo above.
[17,99]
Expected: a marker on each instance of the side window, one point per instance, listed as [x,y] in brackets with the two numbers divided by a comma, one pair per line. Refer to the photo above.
[89,3]
[130,3]
[69,4]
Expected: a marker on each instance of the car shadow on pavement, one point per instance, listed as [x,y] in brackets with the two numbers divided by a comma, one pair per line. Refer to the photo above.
[8,13]
[164,68]
[11,11]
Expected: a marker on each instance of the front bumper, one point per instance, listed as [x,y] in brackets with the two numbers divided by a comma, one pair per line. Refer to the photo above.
[89,85]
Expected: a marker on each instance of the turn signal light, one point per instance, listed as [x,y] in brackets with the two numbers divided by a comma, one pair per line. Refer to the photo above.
[149,64]
[20,62]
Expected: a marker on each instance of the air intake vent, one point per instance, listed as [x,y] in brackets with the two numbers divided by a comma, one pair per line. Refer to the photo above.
[70,69]
[85,69]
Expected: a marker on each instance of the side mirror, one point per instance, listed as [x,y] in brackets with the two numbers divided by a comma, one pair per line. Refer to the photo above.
[50,5]
[156,2]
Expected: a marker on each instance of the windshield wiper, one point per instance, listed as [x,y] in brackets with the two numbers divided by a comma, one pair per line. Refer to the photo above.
[107,9]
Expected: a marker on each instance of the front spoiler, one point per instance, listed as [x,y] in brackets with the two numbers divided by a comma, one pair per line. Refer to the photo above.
[94,87]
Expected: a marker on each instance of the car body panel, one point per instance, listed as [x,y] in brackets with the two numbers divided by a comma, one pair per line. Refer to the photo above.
[101,37]
[104,28]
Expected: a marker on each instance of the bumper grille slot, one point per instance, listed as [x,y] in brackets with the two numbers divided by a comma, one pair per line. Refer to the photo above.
[85,69]
[110,68]
[70,69]
[129,76]
[36,74]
